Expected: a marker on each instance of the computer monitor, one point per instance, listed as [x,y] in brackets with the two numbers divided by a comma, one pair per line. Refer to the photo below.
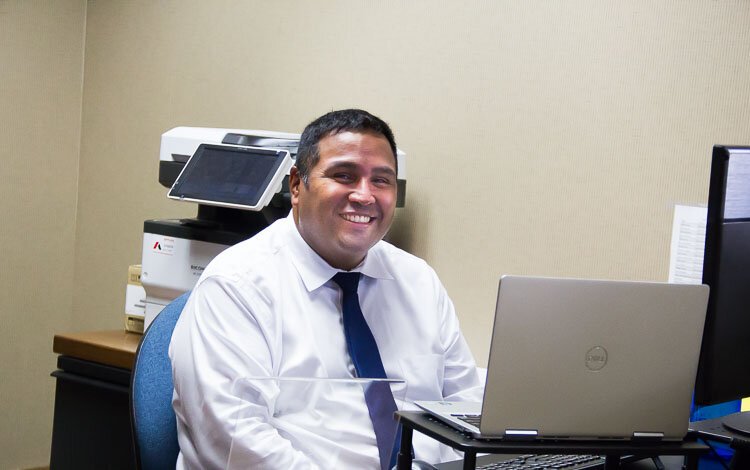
[725,353]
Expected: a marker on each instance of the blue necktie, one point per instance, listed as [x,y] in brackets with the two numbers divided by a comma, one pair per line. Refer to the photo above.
[366,358]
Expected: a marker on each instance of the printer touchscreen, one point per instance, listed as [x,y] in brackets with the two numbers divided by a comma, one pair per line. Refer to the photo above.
[224,175]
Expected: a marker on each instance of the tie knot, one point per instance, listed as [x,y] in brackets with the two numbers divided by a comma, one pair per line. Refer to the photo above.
[347,281]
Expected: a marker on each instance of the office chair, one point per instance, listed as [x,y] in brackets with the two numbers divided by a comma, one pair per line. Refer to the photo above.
[151,415]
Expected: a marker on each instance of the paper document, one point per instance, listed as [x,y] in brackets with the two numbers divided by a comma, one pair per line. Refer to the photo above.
[688,240]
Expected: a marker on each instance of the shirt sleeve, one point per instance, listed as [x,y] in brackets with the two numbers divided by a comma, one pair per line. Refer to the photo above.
[461,380]
[226,334]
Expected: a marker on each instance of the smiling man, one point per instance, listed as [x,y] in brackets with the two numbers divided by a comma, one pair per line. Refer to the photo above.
[318,295]
[343,204]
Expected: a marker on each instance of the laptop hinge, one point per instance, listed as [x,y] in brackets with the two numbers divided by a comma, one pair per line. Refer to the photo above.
[521,434]
[648,436]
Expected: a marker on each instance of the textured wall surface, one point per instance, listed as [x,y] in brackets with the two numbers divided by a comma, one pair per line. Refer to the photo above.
[542,137]
[41,74]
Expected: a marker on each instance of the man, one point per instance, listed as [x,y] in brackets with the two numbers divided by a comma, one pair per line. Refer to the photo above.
[268,307]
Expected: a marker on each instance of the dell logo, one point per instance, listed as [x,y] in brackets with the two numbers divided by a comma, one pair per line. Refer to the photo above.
[596,358]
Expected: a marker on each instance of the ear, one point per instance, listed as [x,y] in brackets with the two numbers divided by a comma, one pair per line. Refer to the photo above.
[294,185]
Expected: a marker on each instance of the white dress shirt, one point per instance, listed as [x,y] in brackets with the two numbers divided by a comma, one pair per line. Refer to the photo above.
[266,308]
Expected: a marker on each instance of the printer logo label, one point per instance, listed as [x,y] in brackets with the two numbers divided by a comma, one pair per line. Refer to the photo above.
[163,246]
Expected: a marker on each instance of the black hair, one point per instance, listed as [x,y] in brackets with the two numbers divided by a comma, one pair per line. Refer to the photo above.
[352,120]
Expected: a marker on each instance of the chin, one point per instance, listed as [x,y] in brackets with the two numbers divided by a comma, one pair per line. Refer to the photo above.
[359,248]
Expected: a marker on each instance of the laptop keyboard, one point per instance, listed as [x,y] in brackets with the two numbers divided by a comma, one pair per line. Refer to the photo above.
[538,462]
[547,461]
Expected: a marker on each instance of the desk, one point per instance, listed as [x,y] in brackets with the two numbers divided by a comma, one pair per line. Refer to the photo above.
[714,430]
[419,421]
[91,427]
[114,348]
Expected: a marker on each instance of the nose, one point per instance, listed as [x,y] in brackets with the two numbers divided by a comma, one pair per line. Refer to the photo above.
[362,193]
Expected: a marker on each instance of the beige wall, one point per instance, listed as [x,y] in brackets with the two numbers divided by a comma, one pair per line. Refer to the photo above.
[543,137]
[41,67]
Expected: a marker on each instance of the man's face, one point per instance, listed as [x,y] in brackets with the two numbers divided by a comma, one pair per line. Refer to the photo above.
[348,203]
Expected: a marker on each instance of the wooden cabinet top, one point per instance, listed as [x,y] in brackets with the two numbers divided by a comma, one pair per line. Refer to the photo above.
[111,347]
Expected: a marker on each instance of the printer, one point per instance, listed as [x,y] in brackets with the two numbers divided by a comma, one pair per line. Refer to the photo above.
[240,180]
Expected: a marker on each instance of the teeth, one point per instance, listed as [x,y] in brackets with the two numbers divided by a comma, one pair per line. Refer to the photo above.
[361,219]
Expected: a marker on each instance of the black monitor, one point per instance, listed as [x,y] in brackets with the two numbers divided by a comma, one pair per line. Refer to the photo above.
[724,368]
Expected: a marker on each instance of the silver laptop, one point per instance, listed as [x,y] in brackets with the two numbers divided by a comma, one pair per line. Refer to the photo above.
[587,359]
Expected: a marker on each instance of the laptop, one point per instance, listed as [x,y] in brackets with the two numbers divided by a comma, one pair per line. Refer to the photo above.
[587,359]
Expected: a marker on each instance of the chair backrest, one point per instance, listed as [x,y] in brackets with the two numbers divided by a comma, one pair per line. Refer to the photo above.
[151,415]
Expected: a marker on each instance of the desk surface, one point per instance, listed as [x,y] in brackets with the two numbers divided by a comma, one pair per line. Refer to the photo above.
[111,347]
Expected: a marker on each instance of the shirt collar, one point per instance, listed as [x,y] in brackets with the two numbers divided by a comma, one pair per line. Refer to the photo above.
[315,271]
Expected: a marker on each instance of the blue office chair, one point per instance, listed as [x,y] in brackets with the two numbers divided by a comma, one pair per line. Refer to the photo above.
[151,415]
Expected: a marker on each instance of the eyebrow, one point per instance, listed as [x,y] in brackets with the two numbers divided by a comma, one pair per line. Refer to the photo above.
[353,166]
